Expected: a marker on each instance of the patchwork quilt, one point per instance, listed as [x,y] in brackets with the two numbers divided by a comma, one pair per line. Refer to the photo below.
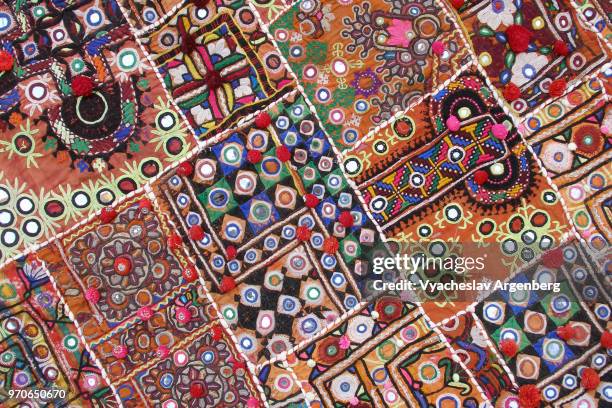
[193,194]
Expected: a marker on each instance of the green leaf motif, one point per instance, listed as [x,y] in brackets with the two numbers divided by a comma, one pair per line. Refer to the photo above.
[80,146]
[143,84]
[518,18]
[285,22]
[19,72]
[439,125]
[51,144]
[128,112]
[486,32]
[66,89]
[545,50]
[509,59]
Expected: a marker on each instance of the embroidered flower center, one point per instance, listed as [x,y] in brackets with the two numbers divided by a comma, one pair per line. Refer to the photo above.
[498,6]
[529,71]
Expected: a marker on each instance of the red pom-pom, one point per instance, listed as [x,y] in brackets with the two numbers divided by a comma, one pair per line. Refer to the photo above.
[197,390]
[107,215]
[557,87]
[437,47]
[122,265]
[553,259]
[188,44]
[457,4]
[283,154]
[561,48]
[120,351]
[253,402]
[529,396]
[145,203]
[185,169]
[183,314]
[213,79]
[589,379]
[227,283]
[566,332]
[311,200]
[82,85]
[231,251]
[499,131]
[511,92]
[518,38]
[196,233]
[175,241]
[508,347]
[254,156]
[92,294]
[453,123]
[263,120]
[330,245]
[217,332]
[303,233]
[346,219]
[200,3]
[481,177]
[237,364]
[190,274]
[162,352]
[6,61]
[145,313]
[606,340]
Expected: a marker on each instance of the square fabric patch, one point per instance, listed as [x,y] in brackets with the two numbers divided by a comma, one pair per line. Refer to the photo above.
[532,46]
[417,164]
[531,320]
[275,227]
[576,154]
[71,155]
[126,263]
[205,367]
[375,355]
[142,309]
[40,348]
[363,63]
[216,63]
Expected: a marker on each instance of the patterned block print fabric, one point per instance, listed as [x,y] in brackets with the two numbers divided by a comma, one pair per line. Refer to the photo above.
[72,155]
[39,344]
[197,230]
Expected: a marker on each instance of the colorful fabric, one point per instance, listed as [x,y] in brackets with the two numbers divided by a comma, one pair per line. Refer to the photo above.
[193,195]
[70,156]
